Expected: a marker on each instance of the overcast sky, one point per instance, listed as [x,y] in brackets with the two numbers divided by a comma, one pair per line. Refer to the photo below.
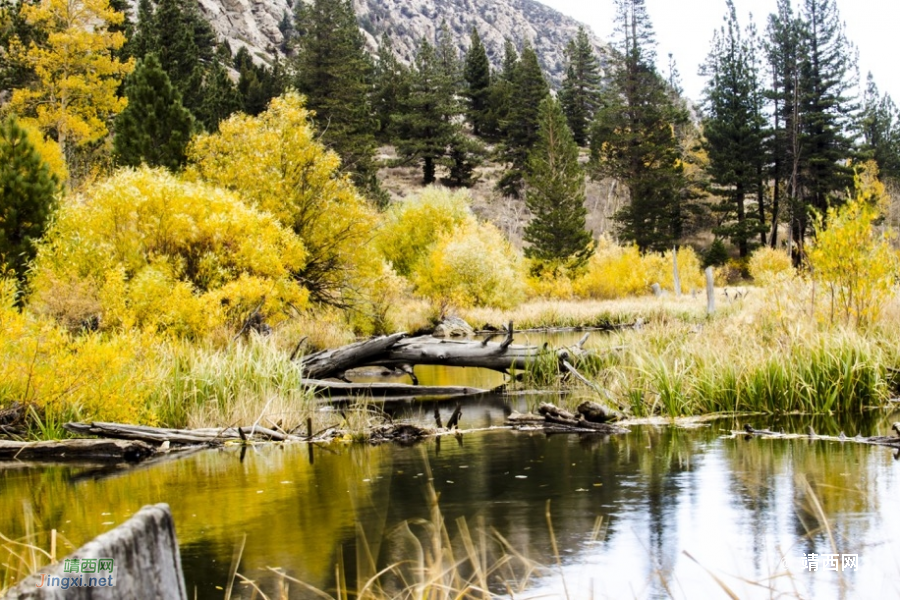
[685,28]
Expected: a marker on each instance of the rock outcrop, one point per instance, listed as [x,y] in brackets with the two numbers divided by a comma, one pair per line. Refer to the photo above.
[258,25]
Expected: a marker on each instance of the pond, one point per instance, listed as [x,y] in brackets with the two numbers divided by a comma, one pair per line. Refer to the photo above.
[659,512]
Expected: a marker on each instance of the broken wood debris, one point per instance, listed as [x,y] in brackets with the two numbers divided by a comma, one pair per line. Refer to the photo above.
[879,440]
[552,418]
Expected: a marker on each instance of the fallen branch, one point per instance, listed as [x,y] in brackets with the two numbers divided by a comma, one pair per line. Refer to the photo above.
[326,388]
[77,450]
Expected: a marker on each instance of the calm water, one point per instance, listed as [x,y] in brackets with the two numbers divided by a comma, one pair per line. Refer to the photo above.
[736,506]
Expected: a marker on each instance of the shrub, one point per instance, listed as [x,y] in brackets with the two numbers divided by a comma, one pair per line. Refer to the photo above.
[854,261]
[276,163]
[153,251]
[769,266]
[412,226]
[65,377]
[613,272]
[472,266]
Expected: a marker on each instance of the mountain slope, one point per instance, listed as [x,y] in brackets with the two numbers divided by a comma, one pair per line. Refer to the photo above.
[255,24]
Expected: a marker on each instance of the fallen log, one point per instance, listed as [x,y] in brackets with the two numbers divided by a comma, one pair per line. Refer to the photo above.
[397,352]
[333,363]
[77,450]
[160,435]
[325,388]
[557,419]
[878,440]
[426,350]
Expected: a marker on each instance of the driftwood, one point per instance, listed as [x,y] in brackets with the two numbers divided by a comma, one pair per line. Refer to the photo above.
[77,450]
[397,352]
[157,435]
[595,413]
[878,440]
[554,419]
[342,389]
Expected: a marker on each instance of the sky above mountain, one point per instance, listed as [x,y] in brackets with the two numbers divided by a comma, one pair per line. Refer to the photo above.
[685,29]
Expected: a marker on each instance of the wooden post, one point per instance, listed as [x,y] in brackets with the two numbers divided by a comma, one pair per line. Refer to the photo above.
[676,278]
[146,564]
[710,292]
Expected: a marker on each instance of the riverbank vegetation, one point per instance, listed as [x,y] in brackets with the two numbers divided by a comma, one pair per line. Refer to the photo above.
[171,280]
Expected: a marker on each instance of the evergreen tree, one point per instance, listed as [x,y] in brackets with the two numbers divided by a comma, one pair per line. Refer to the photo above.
[478,81]
[580,94]
[155,127]
[391,89]
[529,88]
[335,72]
[633,135]
[733,126]
[183,41]
[257,84]
[27,198]
[826,109]
[554,194]
[783,51]
[879,129]
[220,98]
[426,127]
[499,96]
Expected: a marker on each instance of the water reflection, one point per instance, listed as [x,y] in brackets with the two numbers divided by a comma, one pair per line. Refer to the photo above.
[736,506]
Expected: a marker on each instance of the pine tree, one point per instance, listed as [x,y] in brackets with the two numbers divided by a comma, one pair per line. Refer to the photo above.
[826,109]
[580,94]
[155,127]
[529,88]
[426,126]
[879,129]
[27,198]
[391,89]
[221,98]
[335,72]
[782,50]
[257,84]
[633,136]
[554,194]
[499,96]
[733,126]
[478,81]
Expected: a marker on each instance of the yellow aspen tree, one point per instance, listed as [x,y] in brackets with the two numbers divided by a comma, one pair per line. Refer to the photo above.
[77,74]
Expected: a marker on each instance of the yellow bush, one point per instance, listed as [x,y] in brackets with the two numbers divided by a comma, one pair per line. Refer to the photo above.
[769,266]
[153,251]
[471,266]
[66,377]
[854,262]
[412,226]
[275,162]
[617,271]
[551,286]
[660,270]
[613,272]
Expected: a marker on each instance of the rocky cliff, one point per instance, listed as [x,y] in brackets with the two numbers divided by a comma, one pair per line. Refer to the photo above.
[259,25]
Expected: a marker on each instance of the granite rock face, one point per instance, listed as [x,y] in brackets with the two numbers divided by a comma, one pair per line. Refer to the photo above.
[255,24]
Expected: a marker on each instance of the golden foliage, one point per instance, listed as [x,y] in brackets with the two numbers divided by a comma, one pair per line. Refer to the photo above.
[471,266]
[412,226]
[769,266]
[49,150]
[67,377]
[615,271]
[153,251]
[78,75]
[275,163]
[854,262]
